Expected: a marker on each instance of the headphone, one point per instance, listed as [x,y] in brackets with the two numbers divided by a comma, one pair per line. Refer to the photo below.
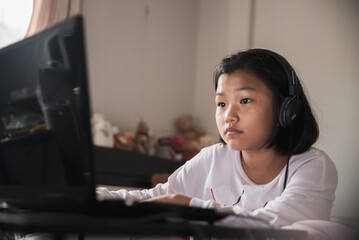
[291,106]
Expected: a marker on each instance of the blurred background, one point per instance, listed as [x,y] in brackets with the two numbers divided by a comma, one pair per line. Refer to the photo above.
[154,59]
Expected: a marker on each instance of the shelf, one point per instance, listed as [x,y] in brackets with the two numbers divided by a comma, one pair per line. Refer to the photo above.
[124,168]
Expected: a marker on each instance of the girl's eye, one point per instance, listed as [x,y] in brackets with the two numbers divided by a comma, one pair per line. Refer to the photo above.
[246,100]
[221,104]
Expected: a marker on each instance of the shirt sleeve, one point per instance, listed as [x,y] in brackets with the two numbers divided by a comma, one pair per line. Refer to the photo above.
[135,195]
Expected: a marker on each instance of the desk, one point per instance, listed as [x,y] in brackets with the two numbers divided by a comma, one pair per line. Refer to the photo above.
[62,224]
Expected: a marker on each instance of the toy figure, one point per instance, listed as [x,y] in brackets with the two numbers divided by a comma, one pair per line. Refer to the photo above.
[142,138]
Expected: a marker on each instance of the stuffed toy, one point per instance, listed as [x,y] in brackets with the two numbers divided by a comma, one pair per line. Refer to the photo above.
[191,134]
[142,138]
[178,144]
[185,128]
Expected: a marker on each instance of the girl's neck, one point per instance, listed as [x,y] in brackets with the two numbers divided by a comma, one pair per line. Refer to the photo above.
[262,166]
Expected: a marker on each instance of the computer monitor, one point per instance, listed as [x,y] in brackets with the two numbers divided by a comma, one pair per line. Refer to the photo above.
[45,131]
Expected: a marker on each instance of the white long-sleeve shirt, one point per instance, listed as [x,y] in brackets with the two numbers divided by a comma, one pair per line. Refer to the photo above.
[215,178]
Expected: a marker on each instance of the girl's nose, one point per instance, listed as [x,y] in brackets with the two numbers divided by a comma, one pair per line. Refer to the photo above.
[231,115]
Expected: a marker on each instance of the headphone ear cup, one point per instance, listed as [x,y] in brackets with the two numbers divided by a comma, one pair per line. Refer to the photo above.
[289,110]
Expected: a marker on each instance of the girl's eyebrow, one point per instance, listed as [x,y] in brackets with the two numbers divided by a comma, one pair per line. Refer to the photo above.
[245,88]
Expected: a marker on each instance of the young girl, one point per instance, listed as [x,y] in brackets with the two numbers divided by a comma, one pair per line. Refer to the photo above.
[265,166]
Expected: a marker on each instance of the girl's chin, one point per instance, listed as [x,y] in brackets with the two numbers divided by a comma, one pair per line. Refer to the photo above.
[234,146]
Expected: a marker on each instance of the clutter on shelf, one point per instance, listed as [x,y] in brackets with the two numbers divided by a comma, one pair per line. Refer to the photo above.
[102,131]
[182,146]
[124,140]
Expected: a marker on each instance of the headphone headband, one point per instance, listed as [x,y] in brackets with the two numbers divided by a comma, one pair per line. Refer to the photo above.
[288,70]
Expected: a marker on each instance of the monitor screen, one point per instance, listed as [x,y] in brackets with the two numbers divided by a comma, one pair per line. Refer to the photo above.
[45,132]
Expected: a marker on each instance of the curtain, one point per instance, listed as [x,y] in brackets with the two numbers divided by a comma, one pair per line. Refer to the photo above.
[49,12]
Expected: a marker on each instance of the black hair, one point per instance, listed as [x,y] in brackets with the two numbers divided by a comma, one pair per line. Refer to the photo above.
[304,132]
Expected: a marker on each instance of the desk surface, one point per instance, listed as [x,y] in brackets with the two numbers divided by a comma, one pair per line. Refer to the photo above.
[70,223]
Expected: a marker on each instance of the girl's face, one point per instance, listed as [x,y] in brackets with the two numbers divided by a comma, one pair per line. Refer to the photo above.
[245,112]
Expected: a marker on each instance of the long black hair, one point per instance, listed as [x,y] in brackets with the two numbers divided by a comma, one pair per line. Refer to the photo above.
[304,132]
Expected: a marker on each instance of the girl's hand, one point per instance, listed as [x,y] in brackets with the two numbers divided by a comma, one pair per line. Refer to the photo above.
[171,198]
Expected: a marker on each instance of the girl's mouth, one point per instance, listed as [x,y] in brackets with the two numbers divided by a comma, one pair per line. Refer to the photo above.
[232,131]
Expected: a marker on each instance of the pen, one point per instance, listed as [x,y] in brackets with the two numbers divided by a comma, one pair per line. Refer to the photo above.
[213,195]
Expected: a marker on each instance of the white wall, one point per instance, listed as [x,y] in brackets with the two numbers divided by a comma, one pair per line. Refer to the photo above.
[318,37]
[141,58]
